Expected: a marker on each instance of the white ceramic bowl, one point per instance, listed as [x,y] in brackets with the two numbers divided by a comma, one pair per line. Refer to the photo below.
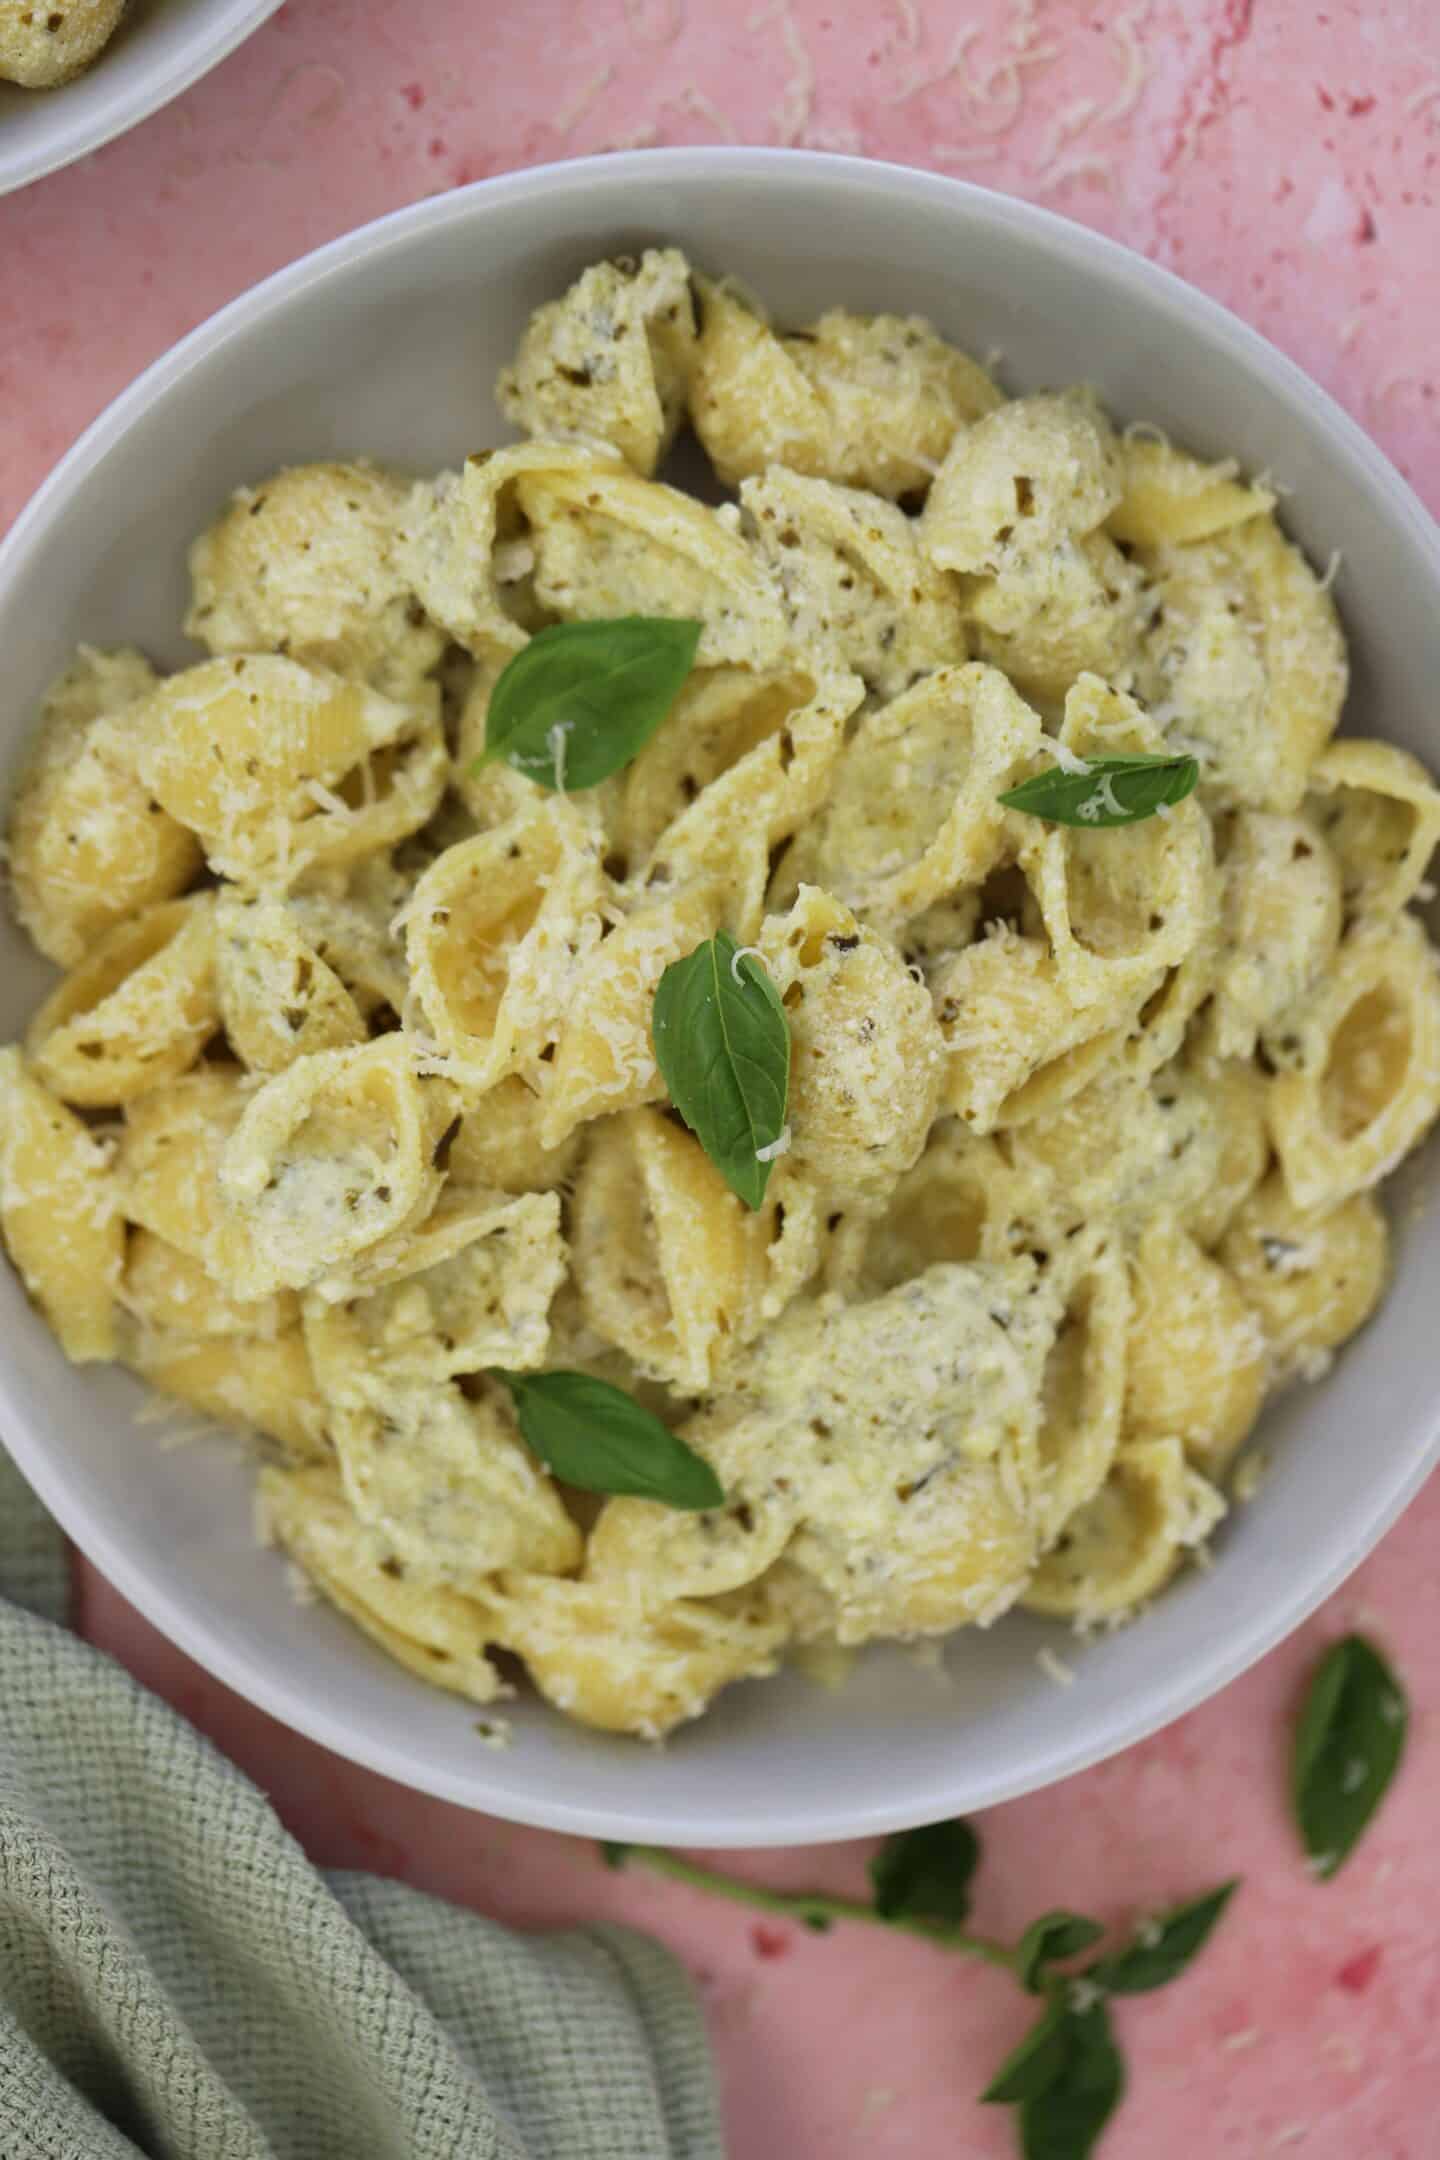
[159,50]
[387,342]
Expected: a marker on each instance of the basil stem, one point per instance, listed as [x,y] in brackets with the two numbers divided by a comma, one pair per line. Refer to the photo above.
[816,1909]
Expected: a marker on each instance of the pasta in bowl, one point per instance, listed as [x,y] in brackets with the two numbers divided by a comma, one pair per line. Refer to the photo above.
[722,1077]
[77,73]
[377,355]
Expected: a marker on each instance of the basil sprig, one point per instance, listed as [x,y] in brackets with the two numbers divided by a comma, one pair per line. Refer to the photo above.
[583,698]
[1066,2077]
[722,1043]
[1348,1744]
[599,1438]
[1114,790]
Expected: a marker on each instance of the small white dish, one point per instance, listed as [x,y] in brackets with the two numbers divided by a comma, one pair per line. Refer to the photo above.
[387,342]
[160,48]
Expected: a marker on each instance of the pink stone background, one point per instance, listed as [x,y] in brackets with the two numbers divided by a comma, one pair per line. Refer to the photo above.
[1285,158]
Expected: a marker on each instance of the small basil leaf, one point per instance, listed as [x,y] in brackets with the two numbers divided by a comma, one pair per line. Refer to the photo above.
[1064,2118]
[1054,1935]
[925,1874]
[614,1853]
[722,1043]
[1030,2068]
[599,1438]
[582,698]
[1348,1746]
[1164,1947]
[1114,791]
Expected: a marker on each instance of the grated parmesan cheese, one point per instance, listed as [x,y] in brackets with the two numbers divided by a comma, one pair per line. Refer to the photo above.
[1103,800]
[1067,759]
[1250,1474]
[326,799]
[1083,1994]
[1089,166]
[302,1590]
[1070,121]
[659,24]
[556,742]
[1145,431]
[791,116]
[929,77]
[512,560]
[694,100]
[569,115]
[1354,1775]
[1125,32]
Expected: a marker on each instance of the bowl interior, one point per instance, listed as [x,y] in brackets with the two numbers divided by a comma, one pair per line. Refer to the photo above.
[387,344]
[158,51]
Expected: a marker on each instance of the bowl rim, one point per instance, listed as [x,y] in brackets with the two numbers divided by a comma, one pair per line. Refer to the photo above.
[1313,1574]
[195,54]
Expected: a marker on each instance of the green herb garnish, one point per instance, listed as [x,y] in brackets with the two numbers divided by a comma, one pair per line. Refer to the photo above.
[1348,1745]
[722,1043]
[1054,1936]
[1066,2077]
[1029,2066]
[599,1438]
[583,698]
[1164,1946]
[1113,790]
[925,1874]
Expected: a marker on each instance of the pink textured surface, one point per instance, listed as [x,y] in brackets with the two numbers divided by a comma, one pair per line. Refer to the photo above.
[1286,159]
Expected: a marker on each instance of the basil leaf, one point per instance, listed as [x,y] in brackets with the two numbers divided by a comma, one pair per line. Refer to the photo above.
[614,1852]
[1165,1947]
[1064,2118]
[599,1438]
[722,1043]
[925,1874]
[582,698]
[1115,791]
[1054,1935]
[1348,1745]
[1035,2063]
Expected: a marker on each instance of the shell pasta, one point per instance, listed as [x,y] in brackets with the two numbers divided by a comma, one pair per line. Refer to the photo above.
[1066,1007]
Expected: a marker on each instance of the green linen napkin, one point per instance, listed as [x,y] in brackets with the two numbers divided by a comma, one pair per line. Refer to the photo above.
[177,1981]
